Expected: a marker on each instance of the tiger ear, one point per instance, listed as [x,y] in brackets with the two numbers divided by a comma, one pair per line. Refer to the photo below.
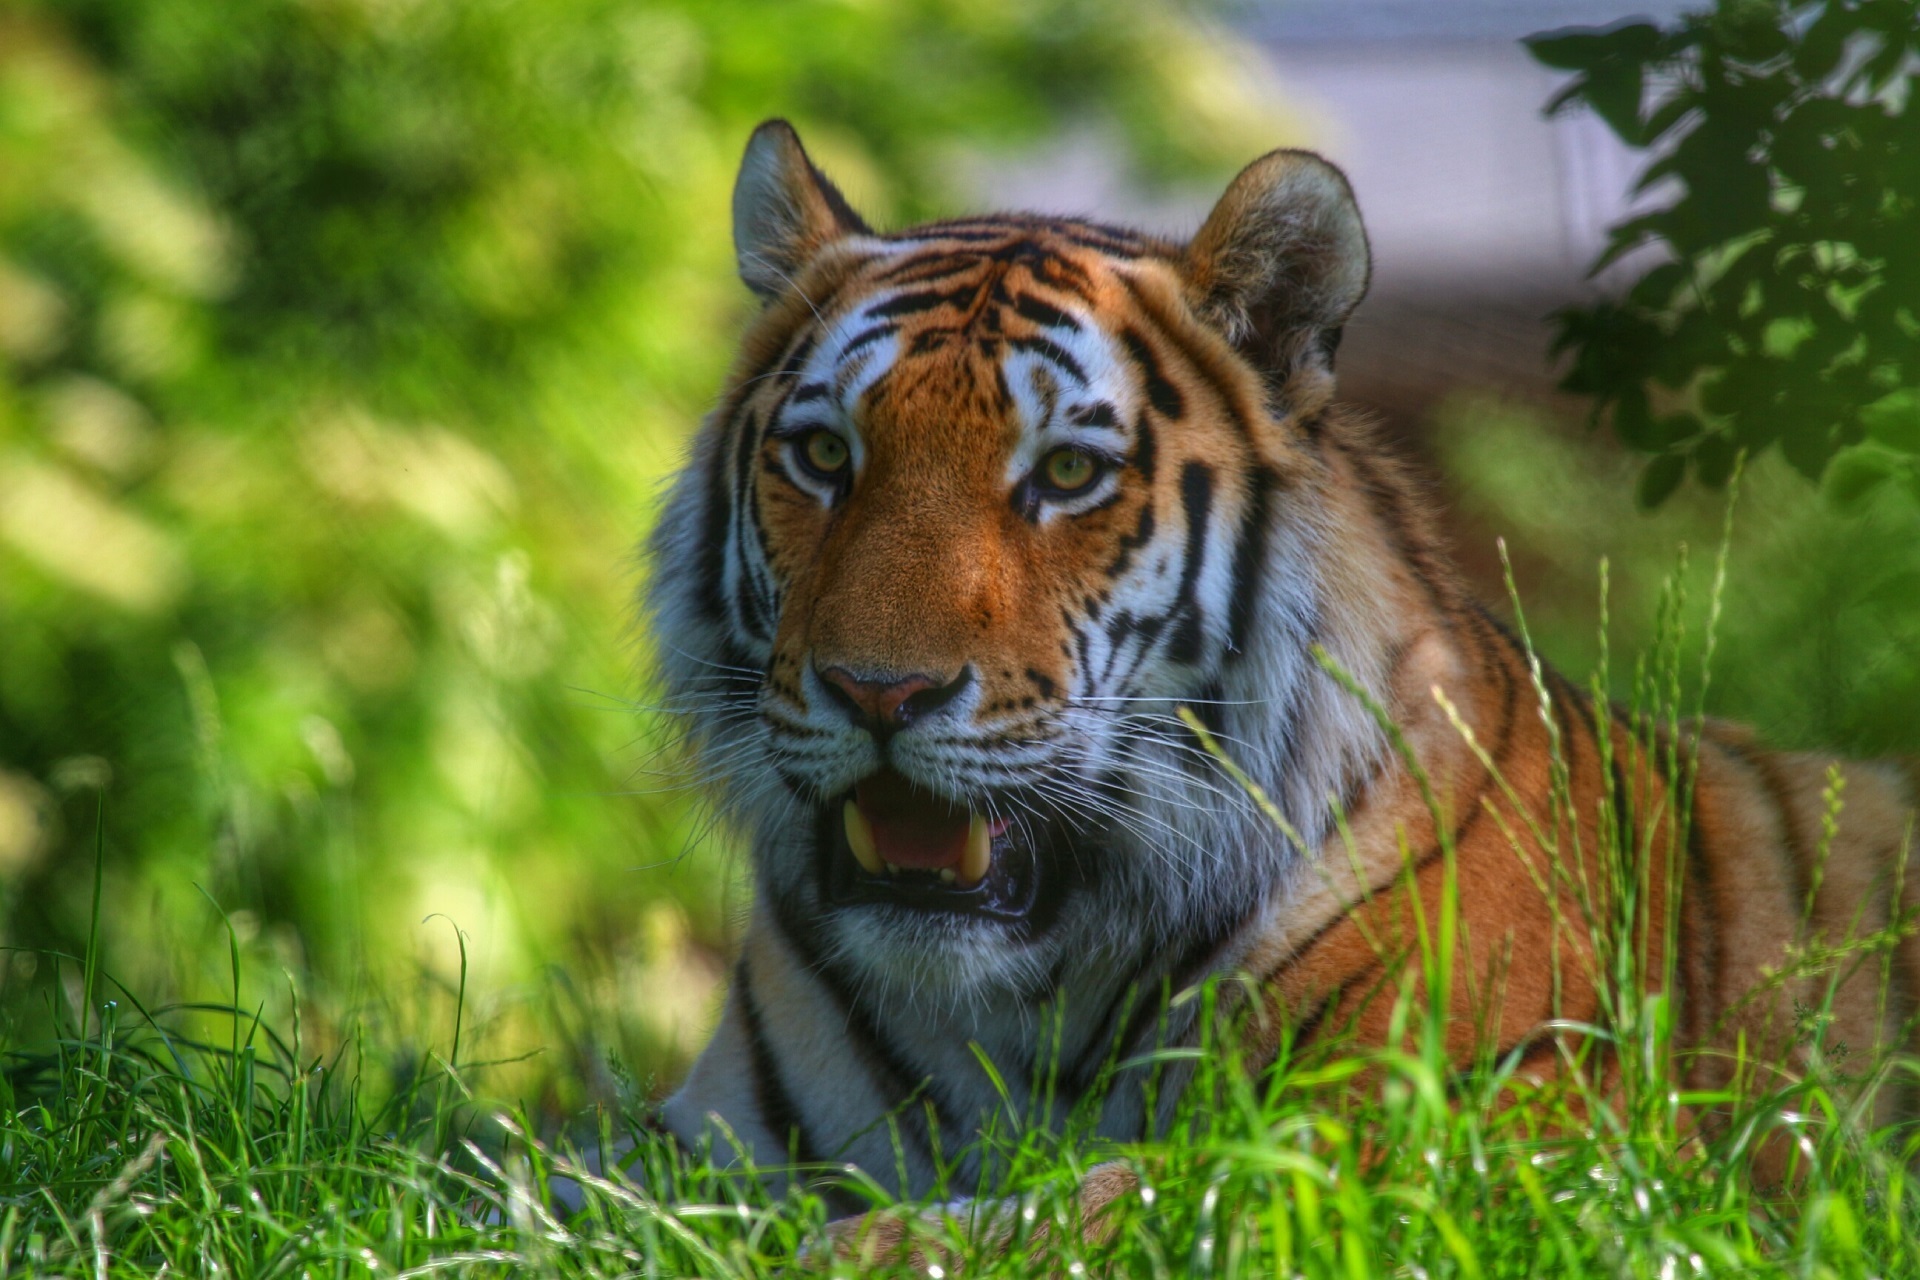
[784,211]
[1278,267]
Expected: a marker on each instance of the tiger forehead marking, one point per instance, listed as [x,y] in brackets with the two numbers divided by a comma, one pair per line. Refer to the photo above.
[1008,340]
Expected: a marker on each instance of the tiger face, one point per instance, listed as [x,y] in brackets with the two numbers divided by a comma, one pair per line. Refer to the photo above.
[985,502]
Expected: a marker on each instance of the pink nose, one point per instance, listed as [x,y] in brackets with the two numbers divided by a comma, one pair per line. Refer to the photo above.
[888,702]
[882,701]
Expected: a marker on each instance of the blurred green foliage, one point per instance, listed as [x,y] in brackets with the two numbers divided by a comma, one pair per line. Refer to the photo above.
[1818,634]
[1784,307]
[343,346]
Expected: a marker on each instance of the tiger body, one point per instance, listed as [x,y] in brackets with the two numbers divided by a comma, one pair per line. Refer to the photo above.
[984,504]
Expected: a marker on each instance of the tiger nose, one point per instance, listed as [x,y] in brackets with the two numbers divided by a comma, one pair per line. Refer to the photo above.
[883,703]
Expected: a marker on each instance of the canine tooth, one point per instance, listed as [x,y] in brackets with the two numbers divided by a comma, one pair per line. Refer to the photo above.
[979,853]
[860,839]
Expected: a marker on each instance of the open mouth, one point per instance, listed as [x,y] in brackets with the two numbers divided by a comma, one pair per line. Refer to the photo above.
[889,841]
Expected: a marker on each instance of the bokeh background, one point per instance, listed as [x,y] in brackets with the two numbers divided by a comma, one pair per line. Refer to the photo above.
[345,344]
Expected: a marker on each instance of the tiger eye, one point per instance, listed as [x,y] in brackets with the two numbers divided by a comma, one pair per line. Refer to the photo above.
[1068,470]
[824,451]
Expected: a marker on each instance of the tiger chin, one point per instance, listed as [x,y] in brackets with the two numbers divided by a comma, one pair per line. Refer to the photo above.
[984,504]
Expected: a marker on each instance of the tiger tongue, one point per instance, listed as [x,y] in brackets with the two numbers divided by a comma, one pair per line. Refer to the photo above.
[910,827]
[892,826]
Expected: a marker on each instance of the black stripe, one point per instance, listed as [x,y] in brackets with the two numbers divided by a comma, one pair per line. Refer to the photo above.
[1384,967]
[1207,709]
[765,594]
[1704,939]
[1146,448]
[1193,963]
[785,362]
[922,300]
[867,337]
[1026,252]
[1115,241]
[1105,240]
[1097,414]
[1196,359]
[1305,1028]
[1249,561]
[1063,275]
[1052,351]
[1623,821]
[717,519]
[1501,744]
[1132,542]
[811,391]
[850,222]
[1542,1046]
[895,1080]
[1161,394]
[1568,699]
[746,504]
[1196,499]
[933,339]
[977,233]
[776,1105]
[1388,503]
[1793,854]
[929,268]
[1044,314]
[1510,687]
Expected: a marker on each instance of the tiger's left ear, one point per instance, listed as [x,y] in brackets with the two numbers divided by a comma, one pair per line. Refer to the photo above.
[784,211]
[1278,267]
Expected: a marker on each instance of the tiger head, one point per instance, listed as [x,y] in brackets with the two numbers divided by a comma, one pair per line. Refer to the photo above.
[984,504]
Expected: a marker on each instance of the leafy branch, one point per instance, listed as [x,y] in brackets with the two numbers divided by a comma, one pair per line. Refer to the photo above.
[1783,306]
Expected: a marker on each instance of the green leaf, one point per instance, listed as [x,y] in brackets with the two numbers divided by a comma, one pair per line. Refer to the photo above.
[1583,48]
[1894,420]
[1751,33]
[1897,590]
[1633,421]
[1854,475]
[1661,477]
[1809,444]
[1669,113]
[1639,429]
[1819,50]
[1698,341]
[1657,287]
[1628,236]
[1713,459]
[1614,91]
[1675,428]
[1724,394]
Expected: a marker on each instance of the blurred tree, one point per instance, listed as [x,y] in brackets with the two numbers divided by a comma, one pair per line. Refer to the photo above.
[342,345]
[1785,305]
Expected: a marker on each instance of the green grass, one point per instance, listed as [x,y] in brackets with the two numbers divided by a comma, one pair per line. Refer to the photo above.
[204,1141]
[129,1153]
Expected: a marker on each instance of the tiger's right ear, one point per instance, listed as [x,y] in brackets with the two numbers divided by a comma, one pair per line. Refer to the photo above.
[784,211]
[1278,267]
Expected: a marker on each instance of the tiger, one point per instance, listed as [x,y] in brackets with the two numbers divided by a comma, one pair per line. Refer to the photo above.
[985,505]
